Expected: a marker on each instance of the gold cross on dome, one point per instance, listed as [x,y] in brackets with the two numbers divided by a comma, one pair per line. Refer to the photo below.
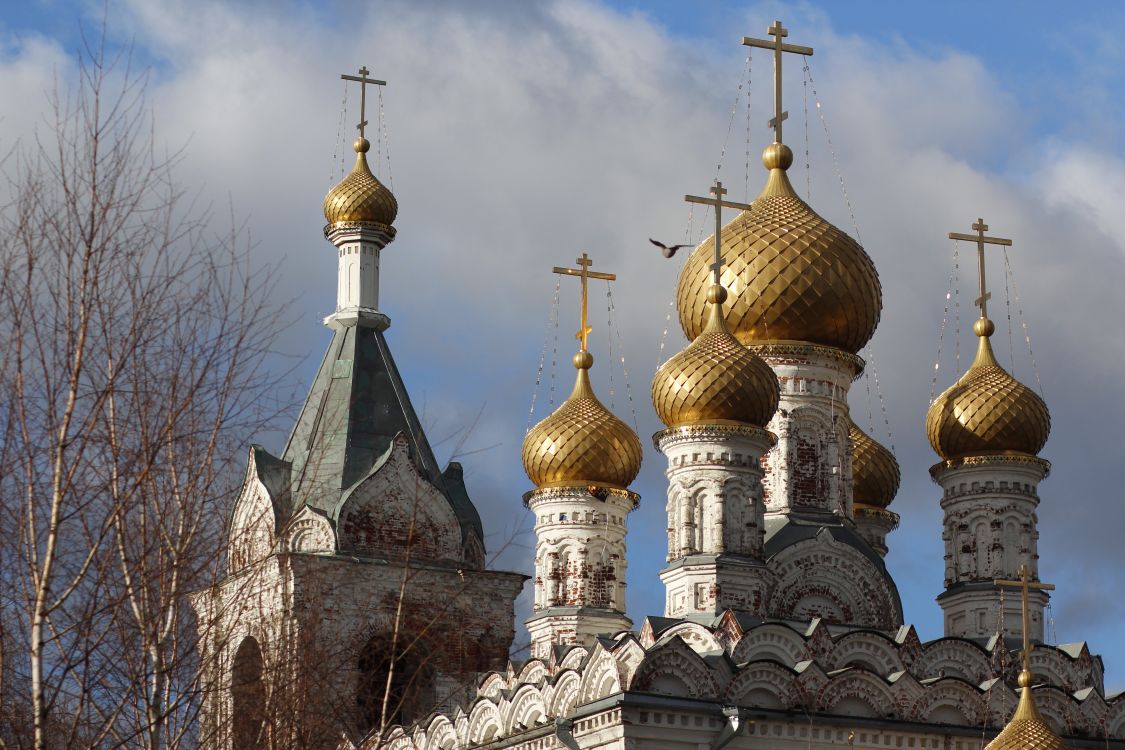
[718,191]
[585,274]
[778,32]
[981,240]
[363,81]
[1025,585]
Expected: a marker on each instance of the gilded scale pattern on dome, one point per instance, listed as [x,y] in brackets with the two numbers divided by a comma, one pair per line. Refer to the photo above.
[360,196]
[715,378]
[875,472]
[987,410]
[582,442]
[791,274]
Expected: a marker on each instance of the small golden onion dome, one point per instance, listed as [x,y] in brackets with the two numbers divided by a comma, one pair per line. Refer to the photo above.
[715,379]
[875,472]
[582,442]
[987,411]
[360,196]
[791,274]
[1027,730]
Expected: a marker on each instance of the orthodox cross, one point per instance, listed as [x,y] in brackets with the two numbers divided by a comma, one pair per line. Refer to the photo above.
[718,191]
[778,32]
[363,81]
[584,273]
[981,240]
[1025,584]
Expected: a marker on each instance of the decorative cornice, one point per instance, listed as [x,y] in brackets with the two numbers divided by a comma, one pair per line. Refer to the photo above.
[771,351]
[341,227]
[996,460]
[574,491]
[712,431]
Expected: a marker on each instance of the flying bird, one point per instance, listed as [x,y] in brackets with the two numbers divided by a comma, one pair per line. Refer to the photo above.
[668,251]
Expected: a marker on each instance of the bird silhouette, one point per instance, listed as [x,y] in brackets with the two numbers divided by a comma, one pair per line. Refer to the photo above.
[667,250]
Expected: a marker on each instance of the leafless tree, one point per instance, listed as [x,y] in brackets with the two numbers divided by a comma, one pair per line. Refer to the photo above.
[132,339]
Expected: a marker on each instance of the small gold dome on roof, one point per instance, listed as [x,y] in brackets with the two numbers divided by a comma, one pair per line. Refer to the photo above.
[791,274]
[582,442]
[1027,730]
[360,196]
[875,472]
[987,411]
[715,379]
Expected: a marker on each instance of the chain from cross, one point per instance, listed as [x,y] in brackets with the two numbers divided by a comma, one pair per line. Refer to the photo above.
[981,240]
[778,32]
[717,202]
[1025,585]
[363,81]
[585,274]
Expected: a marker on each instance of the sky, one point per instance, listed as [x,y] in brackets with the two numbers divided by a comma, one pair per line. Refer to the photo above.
[518,135]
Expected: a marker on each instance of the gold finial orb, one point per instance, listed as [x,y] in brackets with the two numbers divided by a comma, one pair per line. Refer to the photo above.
[361,145]
[984,327]
[777,156]
[716,295]
[1025,679]
[987,411]
[583,360]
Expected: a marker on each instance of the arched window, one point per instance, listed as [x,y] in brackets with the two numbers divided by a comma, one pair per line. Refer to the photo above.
[248,697]
[411,693]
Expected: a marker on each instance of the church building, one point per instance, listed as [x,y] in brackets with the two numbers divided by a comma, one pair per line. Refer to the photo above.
[357,611]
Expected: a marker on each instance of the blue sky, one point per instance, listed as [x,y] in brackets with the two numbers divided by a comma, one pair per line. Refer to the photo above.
[523,134]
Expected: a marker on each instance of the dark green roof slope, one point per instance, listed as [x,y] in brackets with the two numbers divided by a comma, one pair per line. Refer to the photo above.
[356,406]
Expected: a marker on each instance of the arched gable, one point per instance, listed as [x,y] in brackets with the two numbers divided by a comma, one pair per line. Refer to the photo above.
[574,658]
[857,693]
[440,734]
[950,701]
[760,684]
[563,697]
[697,636]
[953,657]
[770,641]
[253,526]
[526,709]
[395,509]
[600,677]
[310,531]
[821,577]
[485,723]
[671,665]
[492,685]
[533,672]
[868,650]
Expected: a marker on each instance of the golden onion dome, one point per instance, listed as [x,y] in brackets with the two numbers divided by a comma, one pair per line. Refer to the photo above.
[1027,729]
[582,442]
[360,196]
[987,411]
[875,472]
[791,274]
[715,379]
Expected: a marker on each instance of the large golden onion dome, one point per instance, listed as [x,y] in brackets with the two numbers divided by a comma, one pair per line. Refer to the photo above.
[582,442]
[1027,730]
[987,411]
[360,196]
[875,472]
[715,379]
[791,274]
